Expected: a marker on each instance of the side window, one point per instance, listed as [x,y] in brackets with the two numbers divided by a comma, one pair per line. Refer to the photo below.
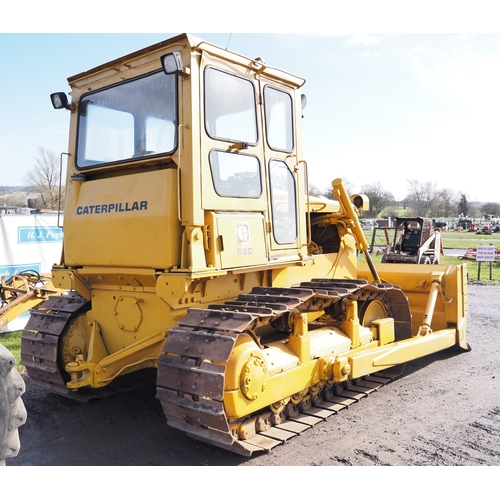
[279,122]
[230,108]
[283,202]
[134,119]
[235,175]
[111,136]
[160,134]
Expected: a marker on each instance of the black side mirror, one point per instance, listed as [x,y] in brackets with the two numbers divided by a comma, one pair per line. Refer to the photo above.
[172,63]
[59,100]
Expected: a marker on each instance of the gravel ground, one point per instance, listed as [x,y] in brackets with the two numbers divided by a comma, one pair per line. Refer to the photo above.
[443,410]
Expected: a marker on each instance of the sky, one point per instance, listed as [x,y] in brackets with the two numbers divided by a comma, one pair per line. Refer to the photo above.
[386,101]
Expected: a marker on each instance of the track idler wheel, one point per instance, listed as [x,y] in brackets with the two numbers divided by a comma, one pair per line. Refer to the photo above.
[278,411]
[292,411]
[263,422]
[305,404]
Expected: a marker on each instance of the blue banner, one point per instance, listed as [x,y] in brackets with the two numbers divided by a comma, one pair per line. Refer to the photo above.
[40,234]
[8,271]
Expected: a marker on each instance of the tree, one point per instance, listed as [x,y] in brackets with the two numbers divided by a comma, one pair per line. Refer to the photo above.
[393,209]
[314,191]
[327,190]
[421,197]
[446,204]
[14,200]
[463,205]
[491,209]
[43,179]
[379,198]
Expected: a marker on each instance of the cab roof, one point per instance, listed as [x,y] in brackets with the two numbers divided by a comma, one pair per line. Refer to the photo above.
[179,43]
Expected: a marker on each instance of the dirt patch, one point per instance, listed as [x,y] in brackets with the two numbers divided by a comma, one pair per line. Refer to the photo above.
[444,410]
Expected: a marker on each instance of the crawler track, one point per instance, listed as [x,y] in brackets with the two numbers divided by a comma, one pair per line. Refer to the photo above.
[40,340]
[41,344]
[191,371]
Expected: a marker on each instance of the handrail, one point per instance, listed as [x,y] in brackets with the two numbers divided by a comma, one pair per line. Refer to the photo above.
[60,189]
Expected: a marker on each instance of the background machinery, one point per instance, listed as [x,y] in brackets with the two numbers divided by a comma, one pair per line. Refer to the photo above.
[191,246]
[415,241]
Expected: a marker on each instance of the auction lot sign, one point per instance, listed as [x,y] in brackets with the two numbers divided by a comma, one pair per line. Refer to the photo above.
[29,242]
[485,253]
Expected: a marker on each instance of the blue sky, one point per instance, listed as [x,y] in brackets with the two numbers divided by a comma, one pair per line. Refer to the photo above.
[382,107]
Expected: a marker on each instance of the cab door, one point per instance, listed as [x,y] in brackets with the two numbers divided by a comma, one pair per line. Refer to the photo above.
[234,195]
[279,140]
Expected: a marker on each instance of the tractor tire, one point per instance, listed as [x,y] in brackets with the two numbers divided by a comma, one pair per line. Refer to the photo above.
[12,410]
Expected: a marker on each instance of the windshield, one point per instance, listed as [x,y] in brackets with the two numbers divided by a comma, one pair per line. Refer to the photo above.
[135,119]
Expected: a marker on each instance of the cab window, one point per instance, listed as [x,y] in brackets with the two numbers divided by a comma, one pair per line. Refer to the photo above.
[279,119]
[230,107]
[283,202]
[130,120]
[235,175]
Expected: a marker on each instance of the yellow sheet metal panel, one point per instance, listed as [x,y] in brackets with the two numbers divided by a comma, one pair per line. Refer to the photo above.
[128,221]
[241,239]
[415,280]
[126,317]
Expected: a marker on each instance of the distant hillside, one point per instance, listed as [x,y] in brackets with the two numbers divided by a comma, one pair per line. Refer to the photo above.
[17,196]
[14,189]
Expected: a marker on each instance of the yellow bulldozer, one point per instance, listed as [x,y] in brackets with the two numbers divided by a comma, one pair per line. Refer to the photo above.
[192,246]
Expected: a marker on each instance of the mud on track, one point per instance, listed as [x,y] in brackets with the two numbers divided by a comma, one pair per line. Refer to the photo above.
[444,410]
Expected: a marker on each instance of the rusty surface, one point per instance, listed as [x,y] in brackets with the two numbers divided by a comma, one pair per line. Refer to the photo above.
[41,338]
[205,380]
[199,344]
[191,394]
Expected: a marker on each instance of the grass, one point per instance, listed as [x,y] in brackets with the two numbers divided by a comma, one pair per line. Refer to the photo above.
[451,239]
[461,241]
[464,244]
[455,235]
[469,240]
[472,268]
[12,341]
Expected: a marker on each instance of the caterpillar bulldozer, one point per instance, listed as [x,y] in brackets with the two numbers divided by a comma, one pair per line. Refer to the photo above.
[192,246]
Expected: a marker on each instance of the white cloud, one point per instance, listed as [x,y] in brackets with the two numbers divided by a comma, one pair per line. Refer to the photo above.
[362,39]
[415,51]
[465,80]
